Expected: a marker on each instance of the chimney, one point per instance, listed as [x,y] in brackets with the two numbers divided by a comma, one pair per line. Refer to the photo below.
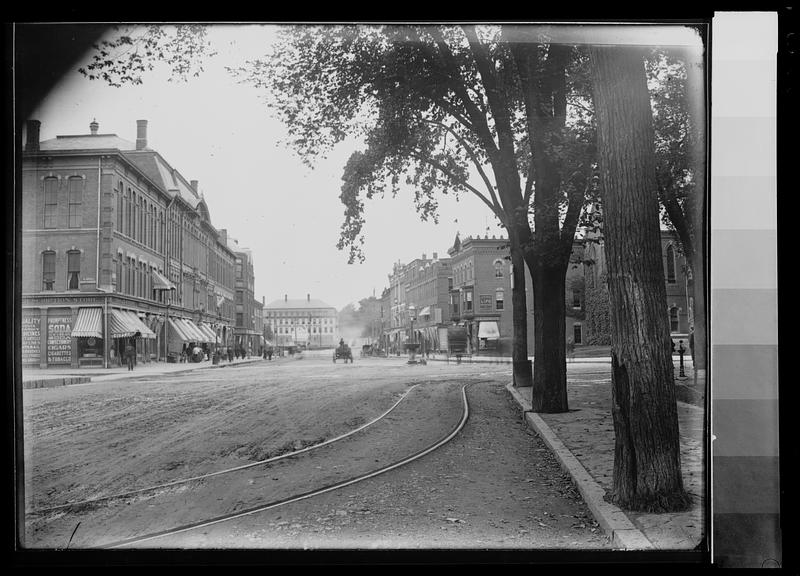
[94,126]
[308,297]
[32,144]
[285,297]
[141,134]
[194,185]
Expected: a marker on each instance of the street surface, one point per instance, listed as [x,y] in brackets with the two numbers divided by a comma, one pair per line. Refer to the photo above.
[495,485]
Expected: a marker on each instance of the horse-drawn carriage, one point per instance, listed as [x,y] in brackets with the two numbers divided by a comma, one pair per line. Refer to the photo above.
[342,352]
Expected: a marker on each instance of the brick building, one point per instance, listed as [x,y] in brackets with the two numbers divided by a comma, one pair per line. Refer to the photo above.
[118,247]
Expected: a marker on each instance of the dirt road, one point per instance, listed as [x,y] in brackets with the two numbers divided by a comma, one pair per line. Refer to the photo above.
[493,485]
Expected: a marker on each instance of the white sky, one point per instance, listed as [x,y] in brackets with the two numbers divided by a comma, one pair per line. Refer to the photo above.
[218,132]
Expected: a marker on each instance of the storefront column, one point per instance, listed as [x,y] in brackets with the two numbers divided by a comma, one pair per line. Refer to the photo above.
[43,337]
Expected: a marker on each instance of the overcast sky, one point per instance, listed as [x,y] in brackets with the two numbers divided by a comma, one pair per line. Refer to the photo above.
[221,133]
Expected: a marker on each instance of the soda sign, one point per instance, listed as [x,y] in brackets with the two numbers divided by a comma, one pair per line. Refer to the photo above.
[59,340]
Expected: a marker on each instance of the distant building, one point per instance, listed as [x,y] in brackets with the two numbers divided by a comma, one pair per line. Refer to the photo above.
[480,297]
[420,311]
[307,322]
[247,334]
[118,248]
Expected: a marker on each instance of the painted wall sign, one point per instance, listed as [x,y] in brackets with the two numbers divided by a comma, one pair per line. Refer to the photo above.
[31,338]
[59,341]
[485,302]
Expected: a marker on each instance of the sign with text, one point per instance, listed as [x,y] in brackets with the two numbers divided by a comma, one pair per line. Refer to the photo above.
[31,338]
[59,341]
[485,302]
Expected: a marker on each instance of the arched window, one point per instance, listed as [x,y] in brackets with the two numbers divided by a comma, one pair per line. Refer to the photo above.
[50,202]
[48,270]
[671,264]
[498,268]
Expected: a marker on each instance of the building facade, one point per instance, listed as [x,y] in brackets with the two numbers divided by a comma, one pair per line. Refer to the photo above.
[248,312]
[678,283]
[308,323]
[118,248]
[427,293]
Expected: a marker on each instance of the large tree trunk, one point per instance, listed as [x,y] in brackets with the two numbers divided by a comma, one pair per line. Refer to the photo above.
[696,93]
[549,392]
[523,375]
[647,465]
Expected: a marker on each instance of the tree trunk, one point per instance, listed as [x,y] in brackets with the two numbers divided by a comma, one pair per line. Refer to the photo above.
[647,465]
[523,375]
[549,394]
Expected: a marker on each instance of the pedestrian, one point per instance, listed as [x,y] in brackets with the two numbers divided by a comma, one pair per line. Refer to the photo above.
[130,355]
[230,354]
[570,348]
[269,354]
[112,355]
[691,342]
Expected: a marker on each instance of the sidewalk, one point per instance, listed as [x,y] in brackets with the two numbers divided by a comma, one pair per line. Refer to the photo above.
[47,377]
[583,441]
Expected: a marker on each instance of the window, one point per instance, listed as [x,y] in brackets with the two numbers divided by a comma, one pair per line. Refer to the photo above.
[673,319]
[50,202]
[498,299]
[498,268]
[576,298]
[670,264]
[119,208]
[48,270]
[577,333]
[239,319]
[73,269]
[468,301]
[75,201]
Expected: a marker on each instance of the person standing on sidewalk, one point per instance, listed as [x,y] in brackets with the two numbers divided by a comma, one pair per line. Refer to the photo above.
[130,354]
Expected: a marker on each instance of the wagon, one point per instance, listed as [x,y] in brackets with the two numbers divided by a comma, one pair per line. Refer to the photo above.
[343,352]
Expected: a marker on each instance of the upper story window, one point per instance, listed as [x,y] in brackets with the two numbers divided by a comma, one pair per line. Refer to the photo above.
[75,201]
[50,202]
[576,298]
[467,300]
[498,268]
[48,270]
[73,269]
[499,297]
[671,264]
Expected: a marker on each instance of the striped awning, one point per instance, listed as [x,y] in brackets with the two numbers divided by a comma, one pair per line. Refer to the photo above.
[89,323]
[124,323]
[191,329]
[176,329]
[208,331]
[161,282]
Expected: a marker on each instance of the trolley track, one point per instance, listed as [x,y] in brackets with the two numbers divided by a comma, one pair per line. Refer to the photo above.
[133,516]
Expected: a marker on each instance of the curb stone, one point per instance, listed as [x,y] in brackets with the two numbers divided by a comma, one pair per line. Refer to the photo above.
[618,527]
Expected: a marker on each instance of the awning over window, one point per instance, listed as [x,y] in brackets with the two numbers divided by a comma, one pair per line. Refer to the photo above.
[191,329]
[177,330]
[208,331]
[124,324]
[488,330]
[160,282]
[89,323]
[425,311]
